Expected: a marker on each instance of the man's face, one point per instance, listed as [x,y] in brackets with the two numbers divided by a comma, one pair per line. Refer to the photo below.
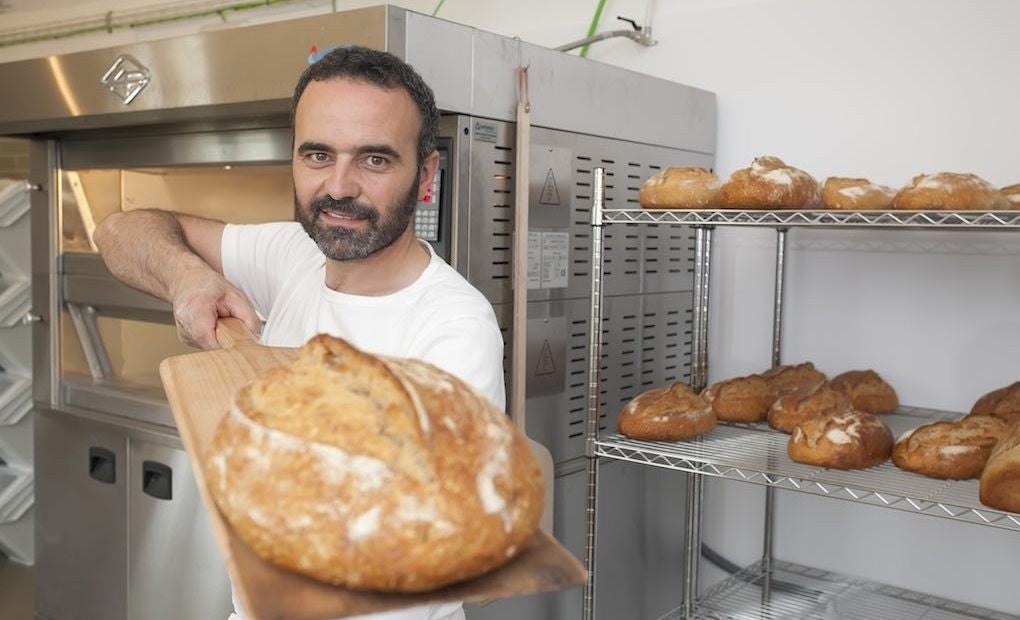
[356,175]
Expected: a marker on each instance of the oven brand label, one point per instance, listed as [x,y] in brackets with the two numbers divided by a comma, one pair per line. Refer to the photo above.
[126,77]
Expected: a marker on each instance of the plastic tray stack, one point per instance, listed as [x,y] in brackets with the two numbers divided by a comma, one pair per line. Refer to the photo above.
[16,479]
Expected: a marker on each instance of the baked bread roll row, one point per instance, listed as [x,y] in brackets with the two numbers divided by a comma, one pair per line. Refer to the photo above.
[769,183]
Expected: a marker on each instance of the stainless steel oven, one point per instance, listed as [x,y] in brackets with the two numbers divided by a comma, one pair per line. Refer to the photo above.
[199,124]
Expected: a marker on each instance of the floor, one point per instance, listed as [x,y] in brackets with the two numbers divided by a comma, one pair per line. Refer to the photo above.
[17,584]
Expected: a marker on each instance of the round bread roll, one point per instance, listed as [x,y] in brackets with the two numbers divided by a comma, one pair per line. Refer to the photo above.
[792,409]
[770,184]
[799,379]
[679,188]
[666,414]
[867,391]
[1000,480]
[373,473]
[849,440]
[1012,195]
[855,194]
[951,192]
[741,399]
[1003,403]
[956,450]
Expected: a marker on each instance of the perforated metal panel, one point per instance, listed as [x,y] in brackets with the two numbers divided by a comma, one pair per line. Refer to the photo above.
[648,272]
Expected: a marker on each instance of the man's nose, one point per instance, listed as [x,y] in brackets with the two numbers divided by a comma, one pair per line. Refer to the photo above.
[342,181]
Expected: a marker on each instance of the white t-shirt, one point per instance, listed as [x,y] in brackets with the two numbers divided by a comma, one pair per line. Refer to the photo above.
[439,318]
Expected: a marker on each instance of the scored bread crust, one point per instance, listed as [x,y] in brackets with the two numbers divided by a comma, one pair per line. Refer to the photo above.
[849,440]
[770,184]
[1000,480]
[800,378]
[1003,403]
[844,193]
[792,409]
[373,473]
[866,390]
[679,188]
[668,413]
[949,191]
[1012,195]
[955,450]
[740,399]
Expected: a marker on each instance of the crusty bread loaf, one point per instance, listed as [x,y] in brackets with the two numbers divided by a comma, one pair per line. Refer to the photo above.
[770,184]
[797,379]
[949,191]
[1003,403]
[956,450]
[679,188]
[1000,480]
[867,391]
[373,473]
[668,413]
[855,194]
[740,399]
[849,440]
[1012,195]
[792,409]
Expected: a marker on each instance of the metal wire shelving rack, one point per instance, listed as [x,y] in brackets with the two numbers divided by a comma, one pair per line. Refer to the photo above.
[755,454]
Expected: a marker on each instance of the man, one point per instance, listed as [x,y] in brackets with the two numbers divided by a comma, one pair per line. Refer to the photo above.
[364,132]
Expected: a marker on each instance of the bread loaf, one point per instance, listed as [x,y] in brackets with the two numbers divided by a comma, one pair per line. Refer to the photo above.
[949,191]
[792,409]
[857,194]
[667,414]
[797,379]
[956,450]
[373,473]
[1000,480]
[679,188]
[770,184]
[866,390]
[849,440]
[1003,403]
[1012,195]
[741,399]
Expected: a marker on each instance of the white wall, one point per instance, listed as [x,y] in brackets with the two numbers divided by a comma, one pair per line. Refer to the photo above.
[877,88]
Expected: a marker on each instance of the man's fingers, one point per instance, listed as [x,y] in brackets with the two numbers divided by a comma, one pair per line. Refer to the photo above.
[237,305]
[199,329]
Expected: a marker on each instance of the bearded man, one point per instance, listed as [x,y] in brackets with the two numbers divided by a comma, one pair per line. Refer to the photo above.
[364,150]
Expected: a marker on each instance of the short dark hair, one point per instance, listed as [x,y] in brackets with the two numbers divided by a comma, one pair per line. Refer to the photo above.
[381,69]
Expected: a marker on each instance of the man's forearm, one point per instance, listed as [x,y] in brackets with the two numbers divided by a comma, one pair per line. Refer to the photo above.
[146,250]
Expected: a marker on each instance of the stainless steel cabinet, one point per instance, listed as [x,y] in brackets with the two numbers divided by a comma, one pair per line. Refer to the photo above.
[121,532]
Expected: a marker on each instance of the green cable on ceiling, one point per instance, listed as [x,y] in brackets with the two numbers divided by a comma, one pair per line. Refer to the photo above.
[593,26]
[438,6]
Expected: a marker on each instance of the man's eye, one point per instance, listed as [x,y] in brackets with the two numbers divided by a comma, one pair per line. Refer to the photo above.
[376,161]
[319,157]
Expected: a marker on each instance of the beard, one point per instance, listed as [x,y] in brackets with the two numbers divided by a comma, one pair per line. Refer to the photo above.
[346,244]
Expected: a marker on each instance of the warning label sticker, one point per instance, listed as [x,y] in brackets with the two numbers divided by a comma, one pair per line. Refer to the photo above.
[550,195]
[546,364]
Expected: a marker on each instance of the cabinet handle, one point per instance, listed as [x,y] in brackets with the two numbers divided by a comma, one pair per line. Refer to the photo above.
[157,480]
[102,465]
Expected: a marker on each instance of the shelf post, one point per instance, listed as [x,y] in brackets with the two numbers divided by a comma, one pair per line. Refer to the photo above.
[777,338]
[594,366]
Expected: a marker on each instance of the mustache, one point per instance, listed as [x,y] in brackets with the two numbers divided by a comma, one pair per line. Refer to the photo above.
[345,206]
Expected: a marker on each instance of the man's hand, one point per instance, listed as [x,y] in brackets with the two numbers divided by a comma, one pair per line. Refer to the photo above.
[201,296]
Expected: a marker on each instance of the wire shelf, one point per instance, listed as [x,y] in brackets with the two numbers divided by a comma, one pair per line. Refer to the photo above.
[803,592]
[757,454]
[16,493]
[839,219]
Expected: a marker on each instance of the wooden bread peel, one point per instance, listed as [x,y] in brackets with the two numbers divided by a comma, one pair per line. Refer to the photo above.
[200,388]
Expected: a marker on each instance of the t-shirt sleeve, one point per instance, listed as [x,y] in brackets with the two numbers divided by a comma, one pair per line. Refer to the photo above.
[257,259]
[472,350]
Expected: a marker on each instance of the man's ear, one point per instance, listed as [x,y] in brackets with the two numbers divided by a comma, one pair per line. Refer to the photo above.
[428,172]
